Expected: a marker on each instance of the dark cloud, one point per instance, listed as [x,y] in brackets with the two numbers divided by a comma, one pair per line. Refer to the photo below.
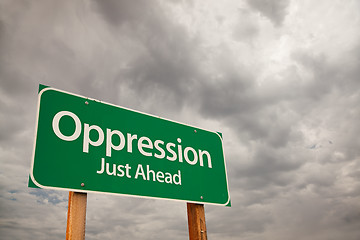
[268,168]
[275,10]
[122,12]
[247,29]
[227,97]
[254,112]
[163,63]
[167,65]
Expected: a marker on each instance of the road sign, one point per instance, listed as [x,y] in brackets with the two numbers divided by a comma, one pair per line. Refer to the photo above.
[86,145]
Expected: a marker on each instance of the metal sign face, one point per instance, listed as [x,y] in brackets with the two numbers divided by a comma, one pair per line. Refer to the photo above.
[85,145]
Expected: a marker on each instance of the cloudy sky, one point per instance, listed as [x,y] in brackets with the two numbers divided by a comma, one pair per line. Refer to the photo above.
[279,78]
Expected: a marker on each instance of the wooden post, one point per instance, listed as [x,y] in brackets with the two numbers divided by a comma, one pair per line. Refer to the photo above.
[76,217]
[196,221]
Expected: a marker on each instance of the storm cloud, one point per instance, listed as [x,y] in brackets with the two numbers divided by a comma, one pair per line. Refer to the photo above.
[279,79]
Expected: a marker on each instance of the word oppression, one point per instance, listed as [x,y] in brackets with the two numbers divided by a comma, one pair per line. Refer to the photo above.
[142,144]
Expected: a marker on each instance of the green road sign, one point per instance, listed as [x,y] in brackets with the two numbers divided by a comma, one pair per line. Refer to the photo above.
[86,145]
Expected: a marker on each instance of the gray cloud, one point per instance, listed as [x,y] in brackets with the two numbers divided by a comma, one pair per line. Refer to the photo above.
[276,11]
[122,12]
[247,29]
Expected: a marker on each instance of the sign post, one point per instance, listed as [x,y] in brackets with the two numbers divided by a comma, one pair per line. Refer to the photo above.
[76,218]
[196,221]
